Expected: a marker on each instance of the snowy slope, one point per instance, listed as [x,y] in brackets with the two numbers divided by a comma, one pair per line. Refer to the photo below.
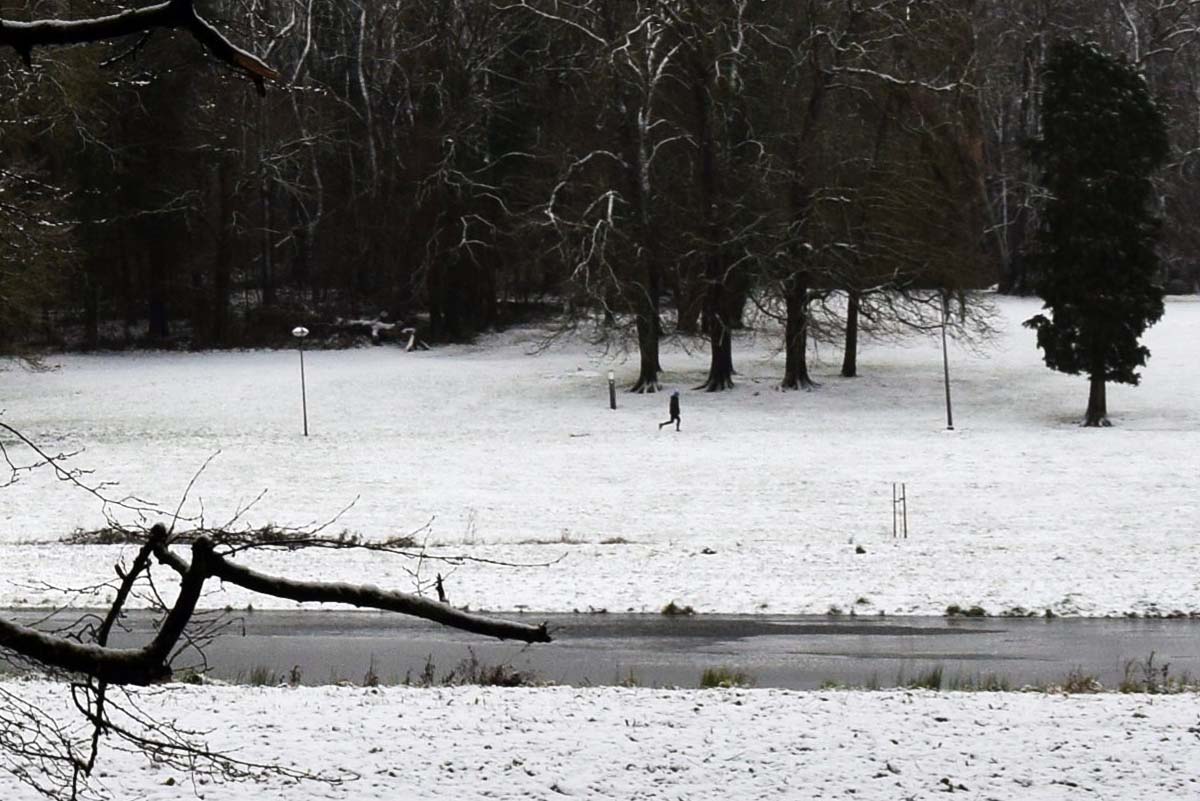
[479,743]
[502,449]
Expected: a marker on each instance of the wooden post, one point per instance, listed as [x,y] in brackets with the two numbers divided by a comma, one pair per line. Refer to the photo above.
[893,510]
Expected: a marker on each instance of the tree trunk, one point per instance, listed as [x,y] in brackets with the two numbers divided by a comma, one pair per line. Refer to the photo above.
[648,338]
[1097,408]
[266,267]
[687,303]
[795,345]
[718,311]
[489,304]
[1014,279]
[158,323]
[223,263]
[720,370]
[129,290]
[267,274]
[741,294]
[850,357]
[610,302]
[91,310]
[221,286]
[718,319]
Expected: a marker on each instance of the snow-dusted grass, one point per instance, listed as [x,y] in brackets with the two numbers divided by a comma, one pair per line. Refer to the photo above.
[1018,506]
[610,743]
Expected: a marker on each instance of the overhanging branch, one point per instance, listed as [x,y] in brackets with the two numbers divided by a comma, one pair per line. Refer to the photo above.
[150,663]
[171,14]
[361,595]
[118,665]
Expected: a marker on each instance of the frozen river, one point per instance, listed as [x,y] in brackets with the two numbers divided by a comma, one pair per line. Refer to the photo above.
[654,650]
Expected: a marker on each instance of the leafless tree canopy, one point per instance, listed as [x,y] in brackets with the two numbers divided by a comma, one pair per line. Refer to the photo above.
[652,168]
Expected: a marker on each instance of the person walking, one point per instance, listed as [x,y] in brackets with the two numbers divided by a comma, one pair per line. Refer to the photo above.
[674,410]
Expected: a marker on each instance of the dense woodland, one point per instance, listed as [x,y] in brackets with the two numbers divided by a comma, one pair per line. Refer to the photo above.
[650,168]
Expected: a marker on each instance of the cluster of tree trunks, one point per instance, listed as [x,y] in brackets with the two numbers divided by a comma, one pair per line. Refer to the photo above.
[653,166]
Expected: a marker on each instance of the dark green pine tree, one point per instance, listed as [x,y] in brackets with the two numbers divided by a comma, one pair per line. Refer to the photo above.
[1096,269]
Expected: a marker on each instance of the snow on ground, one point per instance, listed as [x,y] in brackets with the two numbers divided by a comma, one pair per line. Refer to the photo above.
[551,743]
[517,457]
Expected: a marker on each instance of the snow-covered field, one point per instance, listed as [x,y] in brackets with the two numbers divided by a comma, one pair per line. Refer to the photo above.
[517,457]
[612,743]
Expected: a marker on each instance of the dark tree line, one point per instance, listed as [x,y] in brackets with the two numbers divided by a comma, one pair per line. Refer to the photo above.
[654,168]
[1103,139]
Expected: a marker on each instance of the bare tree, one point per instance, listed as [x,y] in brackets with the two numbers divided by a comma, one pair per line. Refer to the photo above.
[607,207]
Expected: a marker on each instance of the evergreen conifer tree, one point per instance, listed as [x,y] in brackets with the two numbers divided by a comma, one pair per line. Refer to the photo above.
[1096,269]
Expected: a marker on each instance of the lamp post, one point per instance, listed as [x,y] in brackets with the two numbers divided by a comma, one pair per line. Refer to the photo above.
[612,390]
[946,363]
[300,332]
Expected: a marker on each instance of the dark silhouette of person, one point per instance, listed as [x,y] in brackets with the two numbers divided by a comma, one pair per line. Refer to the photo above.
[674,410]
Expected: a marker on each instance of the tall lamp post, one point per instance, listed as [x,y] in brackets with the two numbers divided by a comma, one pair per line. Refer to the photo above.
[300,332]
[946,362]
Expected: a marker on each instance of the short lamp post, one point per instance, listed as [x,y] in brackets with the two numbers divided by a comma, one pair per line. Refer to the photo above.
[300,332]
[612,390]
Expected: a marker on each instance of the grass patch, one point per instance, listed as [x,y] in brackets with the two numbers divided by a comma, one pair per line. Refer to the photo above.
[933,678]
[190,676]
[565,538]
[472,671]
[628,680]
[675,610]
[104,536]
[1150,677]
[954,610]
[469,671]
[871,684]
[371,677]
[426,678]
[980,683]
[723,677]
[262,676]
[1079,683]
[929,679]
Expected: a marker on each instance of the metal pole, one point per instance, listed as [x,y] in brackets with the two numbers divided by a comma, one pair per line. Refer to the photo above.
[946,365]
[612,390]
[904,506]
[303,393]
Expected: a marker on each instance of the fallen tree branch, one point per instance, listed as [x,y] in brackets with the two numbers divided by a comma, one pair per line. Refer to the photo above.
[151,663]
[170,15]
[361,595]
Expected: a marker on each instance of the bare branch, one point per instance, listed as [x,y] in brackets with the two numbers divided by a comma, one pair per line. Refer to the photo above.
[361,595]
[171,14]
